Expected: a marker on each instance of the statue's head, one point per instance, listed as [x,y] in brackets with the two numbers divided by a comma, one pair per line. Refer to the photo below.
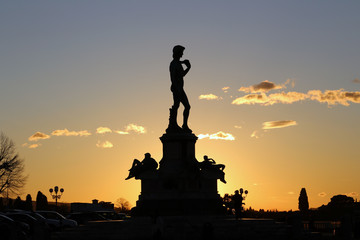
[178,51]
[205,157]
[237,192]
[147,155]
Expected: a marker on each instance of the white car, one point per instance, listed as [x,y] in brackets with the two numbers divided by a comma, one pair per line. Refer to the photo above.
[56,220]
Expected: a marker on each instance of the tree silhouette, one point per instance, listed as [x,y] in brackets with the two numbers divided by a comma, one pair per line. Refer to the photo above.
[123,205]
[303,201]
[28,203]
[340,199]
[18,203]
[12,177]
[41,201]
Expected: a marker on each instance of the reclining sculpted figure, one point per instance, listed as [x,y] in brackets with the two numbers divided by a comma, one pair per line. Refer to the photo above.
[148,163]
[210,164]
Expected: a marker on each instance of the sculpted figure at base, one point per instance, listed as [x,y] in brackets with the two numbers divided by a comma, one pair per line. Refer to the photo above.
[138,167]
[210,164]
[177,74]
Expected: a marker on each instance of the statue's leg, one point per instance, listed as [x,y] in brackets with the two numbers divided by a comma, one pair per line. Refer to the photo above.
[223,177]
[186,113]
[173,126]
[132,170]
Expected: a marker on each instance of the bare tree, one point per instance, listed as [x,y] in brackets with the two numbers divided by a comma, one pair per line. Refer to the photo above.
[123,205]
[12,177]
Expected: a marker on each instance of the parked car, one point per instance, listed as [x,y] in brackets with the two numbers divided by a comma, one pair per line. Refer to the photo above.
[38,228]
[84,217]
[11,230]
[111,215]
[57,221]
[122,216]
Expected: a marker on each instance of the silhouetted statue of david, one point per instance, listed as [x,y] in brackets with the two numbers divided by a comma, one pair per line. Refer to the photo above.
[177,74]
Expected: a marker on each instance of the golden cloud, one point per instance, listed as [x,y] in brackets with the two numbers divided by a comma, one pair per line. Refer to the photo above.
[353,194]
[278,124]
[66,132]
[356,80]
[122,132]
[202,136]
[135,128]
[322,194]
[287,98]
[334,97]
[105,144]
[331,97]
[265,86]
[209,97]
[102,130]
[34,145]
[261,99]
[218,136]
[38,136]
[254,134]
[225,89]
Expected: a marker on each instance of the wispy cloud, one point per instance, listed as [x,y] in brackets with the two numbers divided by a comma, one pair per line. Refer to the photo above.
[266,100]
[135,128]
[278,124]
[38,136]
[356,80]
[331,97]
[225,89]
[35,145]
[237,126]
[122,132]
[254,134]
[66,132]
[102,130]
[209,97]
[218,136]
[265,86]
[105,144]
[334,97]
[353,194]
[322,194]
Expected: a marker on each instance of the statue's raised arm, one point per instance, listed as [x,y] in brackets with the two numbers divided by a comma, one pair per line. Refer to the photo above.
[177,73]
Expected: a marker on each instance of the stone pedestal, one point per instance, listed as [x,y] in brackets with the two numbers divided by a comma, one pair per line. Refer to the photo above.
[179,186]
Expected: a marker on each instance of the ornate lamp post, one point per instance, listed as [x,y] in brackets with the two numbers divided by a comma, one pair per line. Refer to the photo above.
[242,192]
[243,195]
[56,196]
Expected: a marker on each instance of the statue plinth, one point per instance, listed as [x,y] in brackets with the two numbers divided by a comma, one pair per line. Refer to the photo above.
[179,186]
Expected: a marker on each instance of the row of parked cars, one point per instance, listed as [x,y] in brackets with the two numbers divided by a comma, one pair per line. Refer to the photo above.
[26,225]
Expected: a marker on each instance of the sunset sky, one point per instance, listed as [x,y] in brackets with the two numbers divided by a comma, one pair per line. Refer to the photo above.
[274,90]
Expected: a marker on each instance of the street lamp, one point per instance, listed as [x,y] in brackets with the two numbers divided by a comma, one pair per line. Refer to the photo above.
[242,192]
[243,195]
[56,196]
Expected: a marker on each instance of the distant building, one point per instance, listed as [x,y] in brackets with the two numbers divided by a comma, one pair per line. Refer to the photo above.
[92,207]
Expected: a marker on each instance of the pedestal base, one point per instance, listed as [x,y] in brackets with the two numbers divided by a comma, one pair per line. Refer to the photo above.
[179,187]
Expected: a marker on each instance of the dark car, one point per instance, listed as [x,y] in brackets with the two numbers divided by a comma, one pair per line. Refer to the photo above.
[110,215]
[38,228]
[11,230]
[56,220]
[84,217]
